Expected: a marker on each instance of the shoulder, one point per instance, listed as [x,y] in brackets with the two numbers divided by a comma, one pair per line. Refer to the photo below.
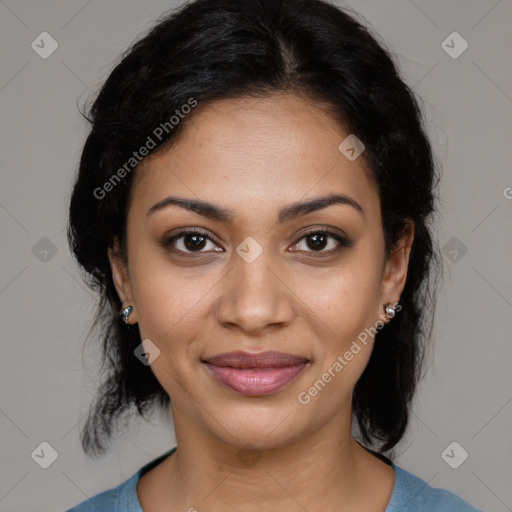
[121,498]
[411,493]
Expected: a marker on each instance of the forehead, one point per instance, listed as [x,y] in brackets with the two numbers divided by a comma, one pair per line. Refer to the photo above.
[246,151]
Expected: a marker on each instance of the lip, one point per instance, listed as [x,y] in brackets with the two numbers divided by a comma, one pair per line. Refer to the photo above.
[255,374]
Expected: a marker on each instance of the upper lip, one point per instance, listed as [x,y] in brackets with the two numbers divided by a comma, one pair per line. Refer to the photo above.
[268,359]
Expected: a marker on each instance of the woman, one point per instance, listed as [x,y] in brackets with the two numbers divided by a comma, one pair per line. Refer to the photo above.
[253,206]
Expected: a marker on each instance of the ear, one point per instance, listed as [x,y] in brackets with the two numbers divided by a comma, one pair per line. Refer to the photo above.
[121,279]
[395,271]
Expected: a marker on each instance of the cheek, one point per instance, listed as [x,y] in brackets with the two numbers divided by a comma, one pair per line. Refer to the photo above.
[343,307]
[345,299]
[168,298]
[170,312]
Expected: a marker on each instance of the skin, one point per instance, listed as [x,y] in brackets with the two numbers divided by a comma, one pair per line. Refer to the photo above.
[254,157]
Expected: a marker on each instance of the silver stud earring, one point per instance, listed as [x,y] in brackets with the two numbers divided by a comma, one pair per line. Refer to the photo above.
[390,310]
[126,313]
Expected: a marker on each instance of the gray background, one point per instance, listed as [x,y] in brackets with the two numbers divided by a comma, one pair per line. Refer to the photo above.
[47,381]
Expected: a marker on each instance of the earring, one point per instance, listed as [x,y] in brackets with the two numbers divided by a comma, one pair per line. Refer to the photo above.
[390,310]
[126,313]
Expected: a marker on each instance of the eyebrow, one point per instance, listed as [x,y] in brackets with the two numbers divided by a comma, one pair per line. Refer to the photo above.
[214,212]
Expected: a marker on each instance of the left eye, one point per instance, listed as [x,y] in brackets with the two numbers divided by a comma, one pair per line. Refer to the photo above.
[317,241]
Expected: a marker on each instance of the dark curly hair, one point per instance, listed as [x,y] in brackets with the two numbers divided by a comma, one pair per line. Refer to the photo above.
[213,49]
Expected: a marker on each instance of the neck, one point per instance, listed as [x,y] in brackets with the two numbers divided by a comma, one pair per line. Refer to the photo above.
[312,473]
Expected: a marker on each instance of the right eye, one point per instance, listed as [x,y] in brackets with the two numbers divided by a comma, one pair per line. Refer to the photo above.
[189,241]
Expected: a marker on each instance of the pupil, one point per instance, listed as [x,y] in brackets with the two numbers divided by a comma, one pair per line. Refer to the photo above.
[321,245]
[197,244]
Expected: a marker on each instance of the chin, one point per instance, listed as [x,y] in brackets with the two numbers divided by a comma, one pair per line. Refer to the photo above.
[264,428]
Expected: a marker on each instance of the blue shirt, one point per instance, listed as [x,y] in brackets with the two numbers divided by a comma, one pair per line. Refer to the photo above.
[410,494]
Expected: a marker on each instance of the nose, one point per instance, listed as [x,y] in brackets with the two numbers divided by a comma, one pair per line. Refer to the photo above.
[255,297]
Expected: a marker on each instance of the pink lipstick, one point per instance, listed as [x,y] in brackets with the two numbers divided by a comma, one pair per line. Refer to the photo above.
[255,374]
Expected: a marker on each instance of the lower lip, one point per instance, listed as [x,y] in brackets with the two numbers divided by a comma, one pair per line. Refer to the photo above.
[255,381]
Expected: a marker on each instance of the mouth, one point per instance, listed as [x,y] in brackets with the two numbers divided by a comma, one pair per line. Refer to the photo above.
[255,374]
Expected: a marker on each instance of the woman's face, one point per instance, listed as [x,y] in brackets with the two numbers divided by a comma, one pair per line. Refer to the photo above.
[253,280]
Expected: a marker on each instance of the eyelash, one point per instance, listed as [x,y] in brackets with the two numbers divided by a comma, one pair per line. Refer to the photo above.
[342,241]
